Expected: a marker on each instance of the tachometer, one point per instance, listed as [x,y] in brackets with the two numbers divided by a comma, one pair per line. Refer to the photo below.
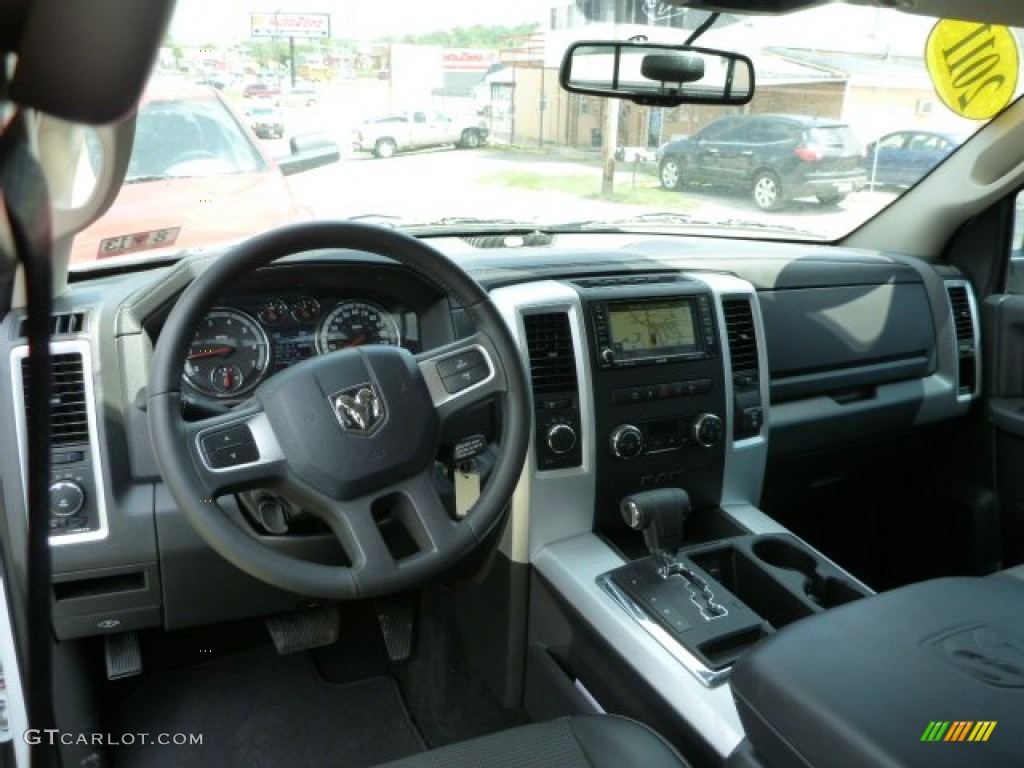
[229,354]
[354,323]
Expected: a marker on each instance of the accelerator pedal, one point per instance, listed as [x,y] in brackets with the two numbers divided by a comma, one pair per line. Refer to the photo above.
[305,628]
[397,623]
[123,655]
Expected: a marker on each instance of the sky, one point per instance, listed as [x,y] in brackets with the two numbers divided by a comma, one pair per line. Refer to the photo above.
[198,21]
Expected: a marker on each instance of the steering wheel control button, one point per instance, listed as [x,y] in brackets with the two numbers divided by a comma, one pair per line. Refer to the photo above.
[223,458]
[460,363]
[457,382]
[227,438]
[66,498]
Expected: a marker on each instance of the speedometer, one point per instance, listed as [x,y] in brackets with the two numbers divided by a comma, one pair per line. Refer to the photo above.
[229,354]
[354,323]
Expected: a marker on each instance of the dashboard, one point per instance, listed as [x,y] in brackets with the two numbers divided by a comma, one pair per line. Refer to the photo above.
[654,362]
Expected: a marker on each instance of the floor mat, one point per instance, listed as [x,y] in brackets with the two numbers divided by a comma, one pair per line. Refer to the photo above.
[262,710]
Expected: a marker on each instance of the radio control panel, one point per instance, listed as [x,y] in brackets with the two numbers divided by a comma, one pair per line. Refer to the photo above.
[658,389]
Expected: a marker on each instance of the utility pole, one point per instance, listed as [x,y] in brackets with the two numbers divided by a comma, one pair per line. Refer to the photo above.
[291,58]
[609,145]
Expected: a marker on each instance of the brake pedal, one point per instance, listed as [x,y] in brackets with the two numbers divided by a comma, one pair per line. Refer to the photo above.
[397,623]
[123,654]
[305,628]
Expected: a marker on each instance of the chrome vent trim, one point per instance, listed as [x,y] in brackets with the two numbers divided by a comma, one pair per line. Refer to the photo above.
[967,342]
[79,348]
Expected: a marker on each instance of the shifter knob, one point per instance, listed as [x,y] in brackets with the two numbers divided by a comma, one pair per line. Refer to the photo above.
[659,514]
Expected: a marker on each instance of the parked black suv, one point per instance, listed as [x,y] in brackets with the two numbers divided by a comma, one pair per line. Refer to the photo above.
[777,157]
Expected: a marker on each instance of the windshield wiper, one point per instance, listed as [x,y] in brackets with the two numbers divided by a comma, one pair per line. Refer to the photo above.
[151,177]
[390,220]
[676,218]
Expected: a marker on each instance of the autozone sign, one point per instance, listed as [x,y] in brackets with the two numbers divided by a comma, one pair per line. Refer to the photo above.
[290,24]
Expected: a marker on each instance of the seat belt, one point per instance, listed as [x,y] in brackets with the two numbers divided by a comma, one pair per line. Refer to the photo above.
[27,207]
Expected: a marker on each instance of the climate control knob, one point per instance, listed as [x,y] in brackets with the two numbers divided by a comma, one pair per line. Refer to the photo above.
[66,498]
[707,430]
[561,438]
[626,441]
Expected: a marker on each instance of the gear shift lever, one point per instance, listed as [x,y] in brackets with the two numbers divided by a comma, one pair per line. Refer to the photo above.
[659,514]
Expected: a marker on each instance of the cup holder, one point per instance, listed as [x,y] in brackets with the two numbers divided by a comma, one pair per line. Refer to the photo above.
[822,588]
[783,554]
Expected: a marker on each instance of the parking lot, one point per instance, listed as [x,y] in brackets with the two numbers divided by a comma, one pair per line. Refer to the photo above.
[500,177]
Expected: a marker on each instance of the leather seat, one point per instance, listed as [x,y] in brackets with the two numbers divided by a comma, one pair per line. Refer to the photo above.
[582,741]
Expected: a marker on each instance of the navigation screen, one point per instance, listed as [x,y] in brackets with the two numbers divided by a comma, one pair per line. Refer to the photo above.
[641,329]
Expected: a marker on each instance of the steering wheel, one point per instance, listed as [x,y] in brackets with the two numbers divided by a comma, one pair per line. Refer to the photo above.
[347,434]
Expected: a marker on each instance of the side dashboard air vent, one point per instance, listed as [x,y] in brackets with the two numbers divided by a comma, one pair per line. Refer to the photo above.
[964,325]
[69,423]
[962,316]
[552,363]
[742,336]
[64,324]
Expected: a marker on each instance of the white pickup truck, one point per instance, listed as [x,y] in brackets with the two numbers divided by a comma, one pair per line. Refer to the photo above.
[398,131]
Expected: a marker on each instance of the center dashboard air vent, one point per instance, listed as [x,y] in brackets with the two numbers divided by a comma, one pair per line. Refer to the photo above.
[742,336]
[69,423]
[741,333]
[556,405]
[552,363]
[964,325]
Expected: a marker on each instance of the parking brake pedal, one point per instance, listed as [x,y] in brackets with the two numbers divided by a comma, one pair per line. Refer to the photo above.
[123,655]
[305,628]
[396,623]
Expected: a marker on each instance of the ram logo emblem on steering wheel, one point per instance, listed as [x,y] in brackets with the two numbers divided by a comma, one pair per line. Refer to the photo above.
[358,409]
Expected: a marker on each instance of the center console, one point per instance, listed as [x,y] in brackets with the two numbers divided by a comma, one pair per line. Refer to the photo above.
[658,389]
[651,384]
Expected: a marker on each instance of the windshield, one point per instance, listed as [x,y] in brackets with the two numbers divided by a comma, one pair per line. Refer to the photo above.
[449,116]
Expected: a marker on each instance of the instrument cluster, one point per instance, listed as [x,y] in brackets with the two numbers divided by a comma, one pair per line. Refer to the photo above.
[238,345]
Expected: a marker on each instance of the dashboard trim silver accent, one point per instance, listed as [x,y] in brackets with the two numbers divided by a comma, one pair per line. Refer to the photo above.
[79,346]
[746,459]
[572,567]
[707,677]
[553,504]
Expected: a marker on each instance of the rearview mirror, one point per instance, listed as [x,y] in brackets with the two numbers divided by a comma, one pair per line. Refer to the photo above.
[657,75]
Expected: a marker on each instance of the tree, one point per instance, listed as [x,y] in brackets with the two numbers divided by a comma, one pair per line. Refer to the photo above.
[477,36]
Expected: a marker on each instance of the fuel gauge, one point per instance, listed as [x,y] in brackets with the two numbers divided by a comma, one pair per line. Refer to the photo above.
[273,312]
[305,309]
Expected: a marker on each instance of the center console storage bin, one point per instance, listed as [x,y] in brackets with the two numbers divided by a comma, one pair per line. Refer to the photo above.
[862,685]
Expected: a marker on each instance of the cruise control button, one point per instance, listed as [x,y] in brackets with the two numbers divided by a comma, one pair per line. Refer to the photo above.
[465,379]
[233,456]
[227,438]
[459,363]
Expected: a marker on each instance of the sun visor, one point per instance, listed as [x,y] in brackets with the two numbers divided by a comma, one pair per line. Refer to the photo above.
[87,61]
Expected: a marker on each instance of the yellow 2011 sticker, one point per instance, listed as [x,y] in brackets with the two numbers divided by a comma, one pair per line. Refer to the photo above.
[973,67]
